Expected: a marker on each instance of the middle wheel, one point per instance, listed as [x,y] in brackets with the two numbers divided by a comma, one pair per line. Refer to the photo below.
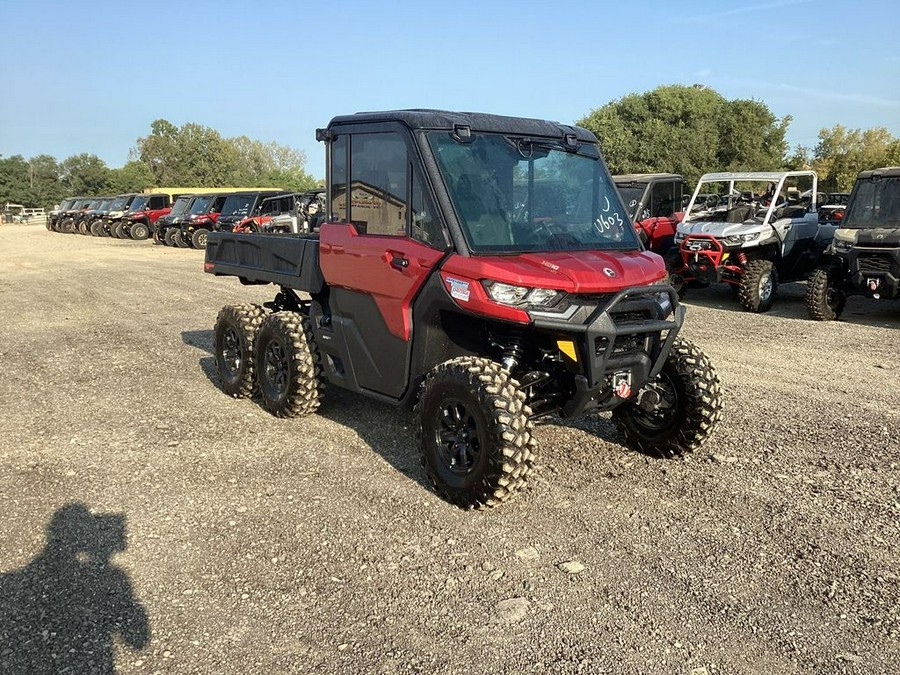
[288,366]
[235,334]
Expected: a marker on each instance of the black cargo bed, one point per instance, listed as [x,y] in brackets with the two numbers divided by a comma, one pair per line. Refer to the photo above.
[290,260]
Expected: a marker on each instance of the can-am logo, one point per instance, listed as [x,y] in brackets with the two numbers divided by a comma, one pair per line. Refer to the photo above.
[609,272]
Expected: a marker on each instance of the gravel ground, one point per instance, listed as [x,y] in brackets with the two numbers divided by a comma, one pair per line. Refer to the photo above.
[149,523]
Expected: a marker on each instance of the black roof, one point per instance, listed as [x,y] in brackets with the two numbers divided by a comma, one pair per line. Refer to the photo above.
[484,122]
[889,171]
[629,178]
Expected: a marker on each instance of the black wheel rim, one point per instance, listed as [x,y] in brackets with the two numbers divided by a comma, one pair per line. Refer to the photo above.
[276,369]
[231,352]
[457,437]
[661,416]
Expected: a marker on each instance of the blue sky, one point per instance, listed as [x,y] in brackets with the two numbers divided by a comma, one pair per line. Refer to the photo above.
[90,77]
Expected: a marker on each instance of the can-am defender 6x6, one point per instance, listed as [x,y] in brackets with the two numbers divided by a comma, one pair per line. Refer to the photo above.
[865,253]
[756,234]
[433,283]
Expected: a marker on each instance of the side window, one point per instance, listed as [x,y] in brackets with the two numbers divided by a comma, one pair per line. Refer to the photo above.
[217,205]
[379,168]
[662,200]
[339,179]
[425,227]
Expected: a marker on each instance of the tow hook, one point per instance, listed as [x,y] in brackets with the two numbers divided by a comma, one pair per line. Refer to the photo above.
[649,399]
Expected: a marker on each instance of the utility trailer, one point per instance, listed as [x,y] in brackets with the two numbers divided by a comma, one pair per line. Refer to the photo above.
[440,281]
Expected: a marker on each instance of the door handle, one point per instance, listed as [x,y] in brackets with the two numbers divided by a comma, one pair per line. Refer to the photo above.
[398,262]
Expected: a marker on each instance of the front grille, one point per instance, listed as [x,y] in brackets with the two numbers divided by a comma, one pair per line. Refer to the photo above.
[620,318]
[874,263]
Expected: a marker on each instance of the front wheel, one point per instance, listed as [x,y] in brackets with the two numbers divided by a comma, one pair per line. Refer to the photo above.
[758,286]
[824,302]
[118,231]
[235,334]
[675,413]
[140,231]
[288,366]
[198,239]
[474,432]
[181,239]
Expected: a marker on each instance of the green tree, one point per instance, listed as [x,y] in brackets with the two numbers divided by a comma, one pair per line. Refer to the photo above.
[842,153]
[134,176]
[689,130]
[194,155]
[84,174]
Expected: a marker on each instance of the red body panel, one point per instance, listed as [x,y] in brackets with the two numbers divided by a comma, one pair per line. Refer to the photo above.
[150,216]
[393,269]
[570,271]
[660,231]
[372,264]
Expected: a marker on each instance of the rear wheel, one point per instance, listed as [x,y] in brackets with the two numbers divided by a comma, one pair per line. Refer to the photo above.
[140,231]
[824,302]
[198,239]
[235,334]
[677,412]
[288,366]
[474,432]
[758,286]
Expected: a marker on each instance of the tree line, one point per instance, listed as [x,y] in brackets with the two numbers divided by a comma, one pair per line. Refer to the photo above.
[689,130]
[189,155]
[692,130]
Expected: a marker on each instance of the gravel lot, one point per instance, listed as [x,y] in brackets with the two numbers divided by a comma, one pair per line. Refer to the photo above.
[257,545]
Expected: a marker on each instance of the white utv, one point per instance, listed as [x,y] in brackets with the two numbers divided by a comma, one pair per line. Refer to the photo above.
[759,232]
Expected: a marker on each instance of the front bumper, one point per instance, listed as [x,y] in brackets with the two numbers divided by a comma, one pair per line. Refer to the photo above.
[627,337]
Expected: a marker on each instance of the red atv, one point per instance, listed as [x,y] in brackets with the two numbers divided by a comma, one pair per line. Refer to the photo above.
[139,222]
[654,203]
[200,220]
[440,280]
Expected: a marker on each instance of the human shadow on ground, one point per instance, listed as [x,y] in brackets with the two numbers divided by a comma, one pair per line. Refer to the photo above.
[63,611]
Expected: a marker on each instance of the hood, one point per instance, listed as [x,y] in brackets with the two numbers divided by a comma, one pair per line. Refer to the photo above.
[880,236]
[571,271]
[718,229]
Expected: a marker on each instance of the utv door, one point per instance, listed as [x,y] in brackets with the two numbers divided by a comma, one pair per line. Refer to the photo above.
[373,266]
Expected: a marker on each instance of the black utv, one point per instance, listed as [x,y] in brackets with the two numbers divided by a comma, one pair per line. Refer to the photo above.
[865,254]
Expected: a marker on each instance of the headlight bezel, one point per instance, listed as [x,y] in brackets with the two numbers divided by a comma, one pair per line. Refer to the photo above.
[521,297]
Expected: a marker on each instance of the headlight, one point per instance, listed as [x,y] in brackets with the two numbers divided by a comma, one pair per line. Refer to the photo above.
[663,298]
[738,239]
[507,294]
[841,245]
[679,237]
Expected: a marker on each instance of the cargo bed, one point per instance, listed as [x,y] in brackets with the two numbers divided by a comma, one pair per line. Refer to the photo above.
[290,260]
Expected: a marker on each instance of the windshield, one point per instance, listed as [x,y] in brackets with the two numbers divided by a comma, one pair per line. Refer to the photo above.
[238,205]
[180,206]
[632,195]
[137,204]
[875,204]
[118,204]
[104,205]
[200,205]
[513,195]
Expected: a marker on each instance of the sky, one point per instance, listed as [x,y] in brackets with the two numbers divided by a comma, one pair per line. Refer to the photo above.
[91,76]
